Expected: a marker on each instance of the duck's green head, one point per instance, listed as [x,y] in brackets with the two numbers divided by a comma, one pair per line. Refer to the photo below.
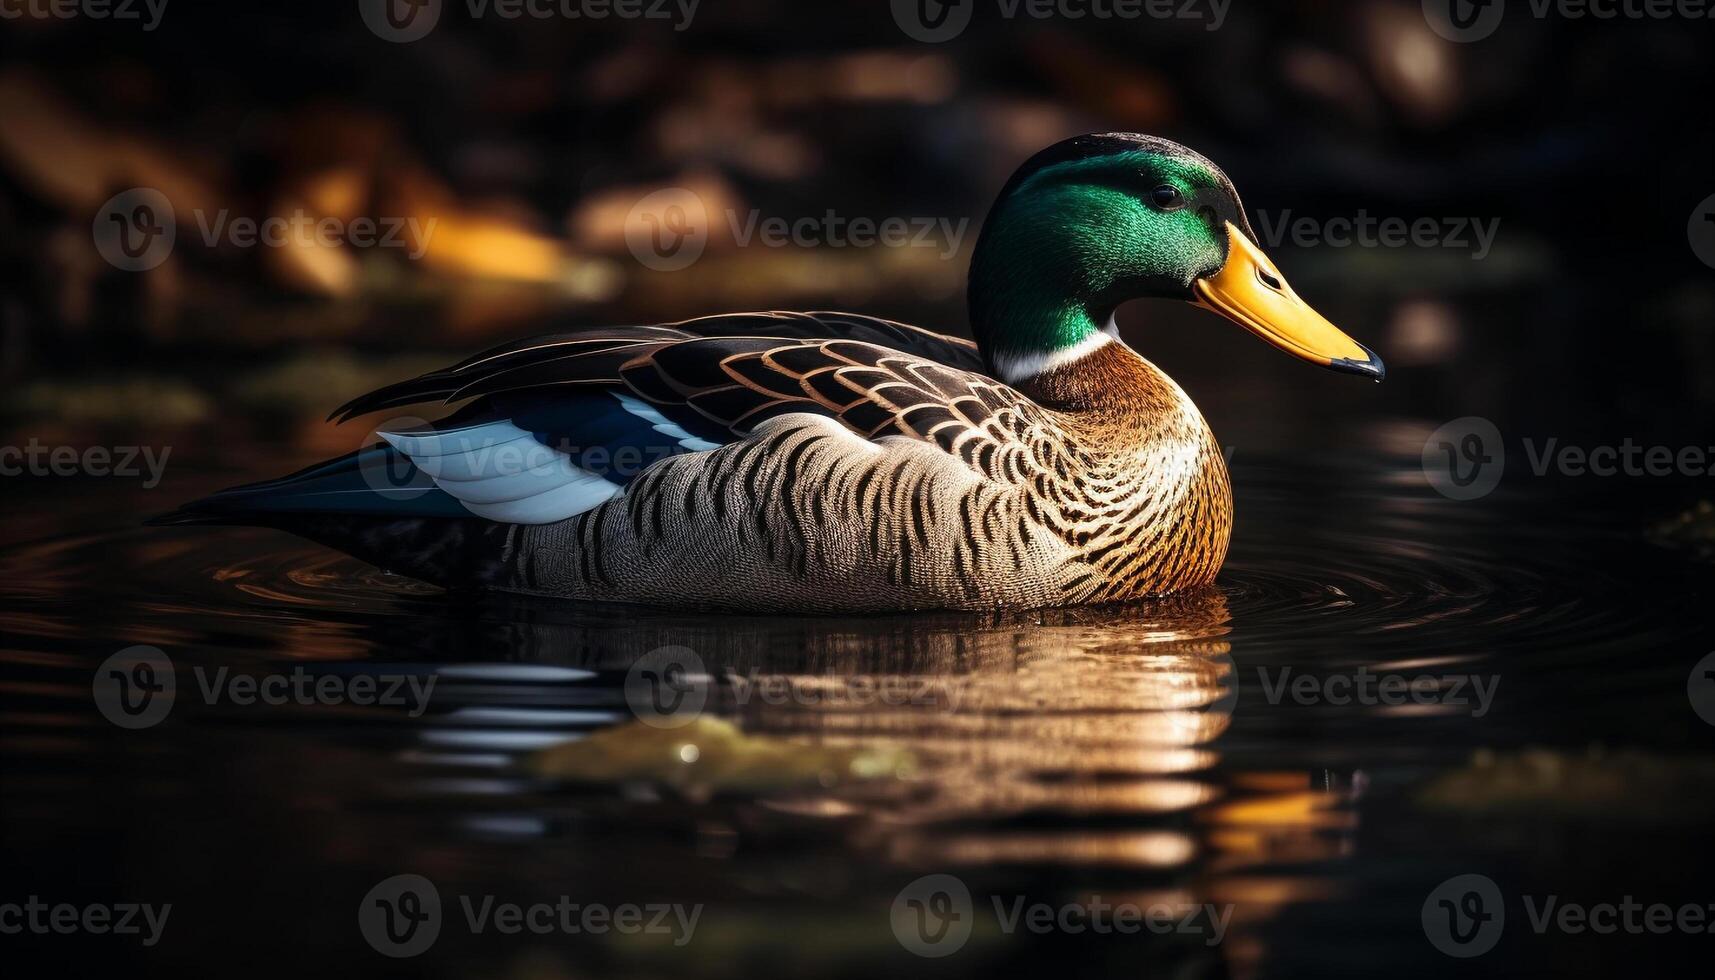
[1097,220]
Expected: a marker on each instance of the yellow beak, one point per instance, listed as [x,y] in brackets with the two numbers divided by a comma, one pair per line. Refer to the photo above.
[1251,292]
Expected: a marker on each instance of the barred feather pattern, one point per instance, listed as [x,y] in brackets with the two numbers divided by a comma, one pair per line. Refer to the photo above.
[868,478]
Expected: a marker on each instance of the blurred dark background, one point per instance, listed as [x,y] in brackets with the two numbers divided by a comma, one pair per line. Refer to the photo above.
[529,141]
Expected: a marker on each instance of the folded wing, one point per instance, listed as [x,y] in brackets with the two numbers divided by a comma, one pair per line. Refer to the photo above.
[554,426]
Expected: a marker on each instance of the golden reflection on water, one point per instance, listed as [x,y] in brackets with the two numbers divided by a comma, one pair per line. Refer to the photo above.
[1085,738]
[1106,714]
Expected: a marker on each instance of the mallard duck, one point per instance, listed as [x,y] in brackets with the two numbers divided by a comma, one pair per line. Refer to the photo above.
[838,462]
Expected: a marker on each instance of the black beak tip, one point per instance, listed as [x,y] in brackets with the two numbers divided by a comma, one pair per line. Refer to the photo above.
[1372,368]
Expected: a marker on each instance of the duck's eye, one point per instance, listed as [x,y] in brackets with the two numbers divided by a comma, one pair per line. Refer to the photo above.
[1167,198]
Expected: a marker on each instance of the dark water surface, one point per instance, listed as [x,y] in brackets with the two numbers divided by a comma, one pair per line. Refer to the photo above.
[1136,754]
